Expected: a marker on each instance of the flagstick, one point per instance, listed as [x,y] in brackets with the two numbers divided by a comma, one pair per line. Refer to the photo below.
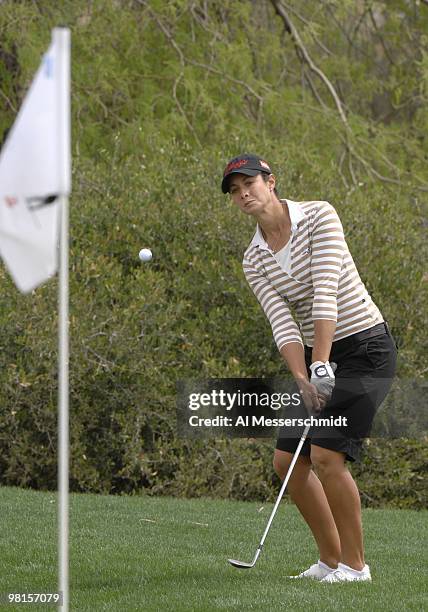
[63,419]
[61,38]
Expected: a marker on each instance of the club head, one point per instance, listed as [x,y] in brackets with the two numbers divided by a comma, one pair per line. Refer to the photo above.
[240,564]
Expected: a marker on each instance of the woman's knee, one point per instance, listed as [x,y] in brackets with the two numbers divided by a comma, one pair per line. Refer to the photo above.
[327,462]
[282,461]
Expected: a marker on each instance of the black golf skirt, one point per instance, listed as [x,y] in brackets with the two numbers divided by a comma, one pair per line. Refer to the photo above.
[366,363]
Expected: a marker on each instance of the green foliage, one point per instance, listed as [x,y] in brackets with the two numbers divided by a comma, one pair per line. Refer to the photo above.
[393,473]
[163,94]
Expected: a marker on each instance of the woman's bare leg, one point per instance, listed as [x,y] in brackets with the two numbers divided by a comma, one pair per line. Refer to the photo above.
[344,501]
[308,494]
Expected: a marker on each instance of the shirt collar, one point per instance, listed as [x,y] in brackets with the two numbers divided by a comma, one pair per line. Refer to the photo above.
[296,215]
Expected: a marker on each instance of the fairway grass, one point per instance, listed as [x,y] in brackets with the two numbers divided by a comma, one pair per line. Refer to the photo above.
[155,554]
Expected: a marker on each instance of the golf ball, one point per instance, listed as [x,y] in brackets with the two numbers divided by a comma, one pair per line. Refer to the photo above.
[145,255]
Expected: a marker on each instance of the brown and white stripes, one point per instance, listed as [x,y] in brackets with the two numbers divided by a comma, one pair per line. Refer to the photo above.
[323,282]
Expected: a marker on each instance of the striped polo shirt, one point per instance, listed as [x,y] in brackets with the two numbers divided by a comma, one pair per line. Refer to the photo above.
[321,282]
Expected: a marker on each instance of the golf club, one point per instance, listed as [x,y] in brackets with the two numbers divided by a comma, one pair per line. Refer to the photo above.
[242,564]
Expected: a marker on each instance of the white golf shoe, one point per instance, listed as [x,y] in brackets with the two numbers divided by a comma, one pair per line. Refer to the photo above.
[344,573]
[317,571]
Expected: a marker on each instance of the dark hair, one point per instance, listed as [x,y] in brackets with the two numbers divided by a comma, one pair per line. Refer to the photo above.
[266,176]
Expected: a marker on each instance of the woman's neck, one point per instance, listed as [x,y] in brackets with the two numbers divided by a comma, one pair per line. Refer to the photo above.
[275,220]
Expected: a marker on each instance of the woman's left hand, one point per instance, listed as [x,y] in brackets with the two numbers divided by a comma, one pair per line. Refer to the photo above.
[322,377]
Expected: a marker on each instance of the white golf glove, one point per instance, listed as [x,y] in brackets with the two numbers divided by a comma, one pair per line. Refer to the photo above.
[322,376]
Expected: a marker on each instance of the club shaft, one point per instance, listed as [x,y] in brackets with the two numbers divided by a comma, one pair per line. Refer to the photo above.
[284,484]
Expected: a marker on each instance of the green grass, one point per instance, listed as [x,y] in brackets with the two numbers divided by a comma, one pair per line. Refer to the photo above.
[155,554]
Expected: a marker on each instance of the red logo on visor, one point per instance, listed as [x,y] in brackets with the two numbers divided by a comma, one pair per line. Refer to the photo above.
[235,164]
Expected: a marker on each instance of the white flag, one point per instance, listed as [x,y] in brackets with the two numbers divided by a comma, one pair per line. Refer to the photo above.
[35,170]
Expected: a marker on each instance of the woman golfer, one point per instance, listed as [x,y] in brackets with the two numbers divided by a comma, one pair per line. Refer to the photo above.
[300,269]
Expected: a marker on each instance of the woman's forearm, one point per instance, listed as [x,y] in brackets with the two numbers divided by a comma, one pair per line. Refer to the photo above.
[324,334]
[294,355]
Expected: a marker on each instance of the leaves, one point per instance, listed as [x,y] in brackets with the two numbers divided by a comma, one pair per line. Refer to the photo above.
[163,94]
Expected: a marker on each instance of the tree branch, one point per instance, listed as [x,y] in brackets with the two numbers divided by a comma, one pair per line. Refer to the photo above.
[172,42]
[342,176]
[344,32]
[348,138]
[280,10]
[382,42]
[308,23]
[11,106]
[314,90]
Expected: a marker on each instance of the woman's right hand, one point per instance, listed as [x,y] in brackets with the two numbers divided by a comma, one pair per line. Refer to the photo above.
[314,402]
[294,355]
